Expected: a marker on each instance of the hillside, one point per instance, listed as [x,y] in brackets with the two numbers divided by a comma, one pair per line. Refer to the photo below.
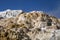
[34,25]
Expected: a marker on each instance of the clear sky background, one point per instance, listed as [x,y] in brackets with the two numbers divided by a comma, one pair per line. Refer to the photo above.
[52,7]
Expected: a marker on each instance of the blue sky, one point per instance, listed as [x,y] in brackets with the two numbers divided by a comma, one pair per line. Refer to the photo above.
[50,6]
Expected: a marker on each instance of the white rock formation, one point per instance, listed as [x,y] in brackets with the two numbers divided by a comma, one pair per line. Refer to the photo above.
[10,13]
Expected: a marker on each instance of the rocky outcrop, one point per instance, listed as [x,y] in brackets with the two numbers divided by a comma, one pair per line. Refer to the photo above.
[35,25]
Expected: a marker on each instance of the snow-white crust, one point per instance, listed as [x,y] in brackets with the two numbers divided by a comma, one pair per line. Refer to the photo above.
[10,13]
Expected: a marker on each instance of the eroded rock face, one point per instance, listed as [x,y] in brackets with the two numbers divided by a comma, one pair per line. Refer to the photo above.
[35,25]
